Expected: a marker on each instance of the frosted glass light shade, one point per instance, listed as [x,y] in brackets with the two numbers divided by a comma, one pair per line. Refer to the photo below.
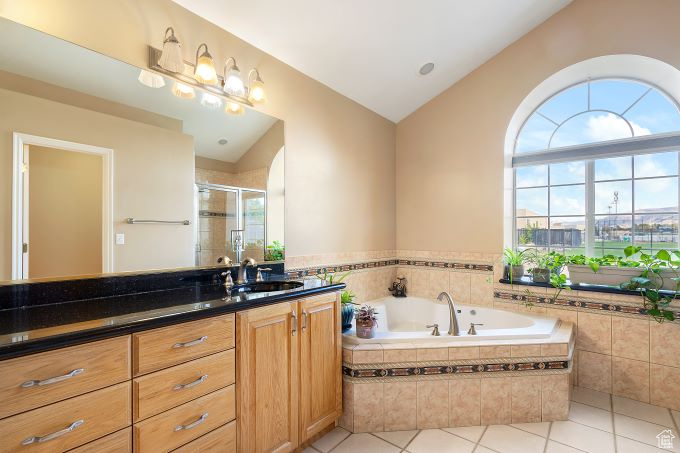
[183,91]
[150,79]
[205,67]
[233,83]
[211,101]
[234,108]
[256,93]
[171,57]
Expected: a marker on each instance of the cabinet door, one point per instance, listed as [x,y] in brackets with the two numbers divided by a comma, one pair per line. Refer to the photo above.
[320,364]
[268,377]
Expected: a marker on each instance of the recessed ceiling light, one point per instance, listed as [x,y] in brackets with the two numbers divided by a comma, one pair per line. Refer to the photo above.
[222,141]
[426,68]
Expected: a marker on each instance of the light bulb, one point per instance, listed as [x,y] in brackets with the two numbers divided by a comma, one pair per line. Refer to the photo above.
[171,57]
[150,79]
[256,93]
[234,108]
[233,83]
[211,101]
[205,67]
[183,91]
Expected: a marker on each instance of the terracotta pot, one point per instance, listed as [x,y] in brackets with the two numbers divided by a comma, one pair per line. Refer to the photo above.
[365,329]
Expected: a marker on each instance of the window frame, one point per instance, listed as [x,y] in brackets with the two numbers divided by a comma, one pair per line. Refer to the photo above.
[588,153]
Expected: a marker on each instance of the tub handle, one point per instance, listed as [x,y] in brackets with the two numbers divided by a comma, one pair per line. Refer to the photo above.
[472,330]
[435,331]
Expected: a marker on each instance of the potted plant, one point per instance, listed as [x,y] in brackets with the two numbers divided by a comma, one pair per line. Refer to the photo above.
[514,263]
[347,311]
[540,269]
[366,321]
[275,252]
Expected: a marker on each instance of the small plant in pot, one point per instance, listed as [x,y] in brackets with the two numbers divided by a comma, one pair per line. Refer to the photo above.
[366,321]
[514,264]
[346,299]
[540,266]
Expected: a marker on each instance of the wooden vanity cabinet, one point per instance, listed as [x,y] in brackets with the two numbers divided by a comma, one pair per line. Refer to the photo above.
[289,372]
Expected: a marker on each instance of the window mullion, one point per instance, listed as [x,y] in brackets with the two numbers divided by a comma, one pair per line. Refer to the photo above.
[590,208]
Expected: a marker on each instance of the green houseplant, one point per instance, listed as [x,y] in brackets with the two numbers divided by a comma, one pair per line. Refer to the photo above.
[514,263]
[540,266]
[346,298]
[275,252]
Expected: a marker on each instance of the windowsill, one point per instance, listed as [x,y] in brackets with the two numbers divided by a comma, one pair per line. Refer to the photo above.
[526,281]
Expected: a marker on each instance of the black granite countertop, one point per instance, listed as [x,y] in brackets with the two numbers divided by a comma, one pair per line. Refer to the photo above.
[36,328]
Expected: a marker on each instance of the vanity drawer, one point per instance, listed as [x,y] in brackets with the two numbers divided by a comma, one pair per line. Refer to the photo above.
[100,413]
[160,348]
[221,440]
[176,427]
[156,392]
[36,380]
[118,442]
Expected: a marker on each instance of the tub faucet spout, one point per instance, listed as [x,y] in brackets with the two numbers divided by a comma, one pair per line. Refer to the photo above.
[453,319]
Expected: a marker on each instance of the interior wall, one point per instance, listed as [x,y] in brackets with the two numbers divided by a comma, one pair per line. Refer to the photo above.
[65,213]
[153,177]
[450,151]
[333,145]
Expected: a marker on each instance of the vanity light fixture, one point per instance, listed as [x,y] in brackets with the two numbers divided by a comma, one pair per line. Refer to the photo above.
[211,101]
[183,91]
[150,79]
[171,57]
[205,67]
[234,108]
[256,93]
[233,83]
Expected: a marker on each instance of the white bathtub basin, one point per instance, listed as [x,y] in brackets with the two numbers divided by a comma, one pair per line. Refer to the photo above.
[404,319]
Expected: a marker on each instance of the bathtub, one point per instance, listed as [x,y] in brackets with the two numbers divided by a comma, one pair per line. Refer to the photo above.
[404,319]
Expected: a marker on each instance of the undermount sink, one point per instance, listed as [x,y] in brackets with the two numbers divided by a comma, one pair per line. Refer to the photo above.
[267,287]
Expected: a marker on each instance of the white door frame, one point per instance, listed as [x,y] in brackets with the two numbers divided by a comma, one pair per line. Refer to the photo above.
[18,234]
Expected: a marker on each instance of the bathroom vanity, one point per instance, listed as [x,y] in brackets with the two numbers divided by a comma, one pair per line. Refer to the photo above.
[224,374]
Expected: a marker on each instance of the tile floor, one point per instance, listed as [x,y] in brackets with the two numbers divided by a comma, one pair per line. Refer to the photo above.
[598,423]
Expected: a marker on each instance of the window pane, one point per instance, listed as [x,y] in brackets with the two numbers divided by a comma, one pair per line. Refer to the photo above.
[591,127]
[566,103]
[656,231]
[531,202]
[654,114]
[660,194]
[568,173]
[567,200]
[615,95]
[614,168]
[534,135]
[662,164]
[531,176]
[532,232]
[567,232]
[612,234]
[613,197]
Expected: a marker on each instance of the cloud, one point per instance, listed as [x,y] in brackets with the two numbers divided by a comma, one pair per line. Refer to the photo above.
[608,126]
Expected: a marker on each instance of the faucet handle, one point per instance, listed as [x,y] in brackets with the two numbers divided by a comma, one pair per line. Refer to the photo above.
[258,277]
[224,260]
[471,330]
[435,331]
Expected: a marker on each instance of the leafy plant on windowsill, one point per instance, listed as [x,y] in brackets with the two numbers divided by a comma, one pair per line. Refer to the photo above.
[347,296]
[650,280]
[275,252]
[514,261]
[558,280]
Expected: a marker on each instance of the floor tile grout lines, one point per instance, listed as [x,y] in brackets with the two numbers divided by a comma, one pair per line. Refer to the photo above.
[393,444]
[547,438]
[611,404]
[625,415]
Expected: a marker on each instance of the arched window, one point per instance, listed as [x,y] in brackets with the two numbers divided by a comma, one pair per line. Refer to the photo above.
[596,169]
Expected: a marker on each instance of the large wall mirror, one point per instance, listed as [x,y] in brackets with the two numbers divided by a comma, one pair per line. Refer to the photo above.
[104,174]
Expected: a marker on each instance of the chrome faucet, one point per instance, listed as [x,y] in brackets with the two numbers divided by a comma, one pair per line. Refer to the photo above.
[453,319]
[242,278]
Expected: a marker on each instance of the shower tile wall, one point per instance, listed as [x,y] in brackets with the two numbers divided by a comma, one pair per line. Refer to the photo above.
[217,217]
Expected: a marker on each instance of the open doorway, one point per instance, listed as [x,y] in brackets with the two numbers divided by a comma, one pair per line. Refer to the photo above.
[61,208]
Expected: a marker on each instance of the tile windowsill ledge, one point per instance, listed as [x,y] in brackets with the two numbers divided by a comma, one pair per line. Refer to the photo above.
[526,281]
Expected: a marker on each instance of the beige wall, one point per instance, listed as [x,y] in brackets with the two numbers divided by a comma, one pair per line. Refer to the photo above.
[450,151]
[333,145]
[65,213]
[153,177]
[263,151]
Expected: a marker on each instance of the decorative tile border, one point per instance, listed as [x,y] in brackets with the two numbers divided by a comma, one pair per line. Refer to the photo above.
[314,270]
[573,303]
[454,369]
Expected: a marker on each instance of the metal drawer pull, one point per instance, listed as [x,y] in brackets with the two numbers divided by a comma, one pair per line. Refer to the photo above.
[192,424]
[36,383]
[294,322]
[304,320]
[191,384]
[190,343]
[40,439]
